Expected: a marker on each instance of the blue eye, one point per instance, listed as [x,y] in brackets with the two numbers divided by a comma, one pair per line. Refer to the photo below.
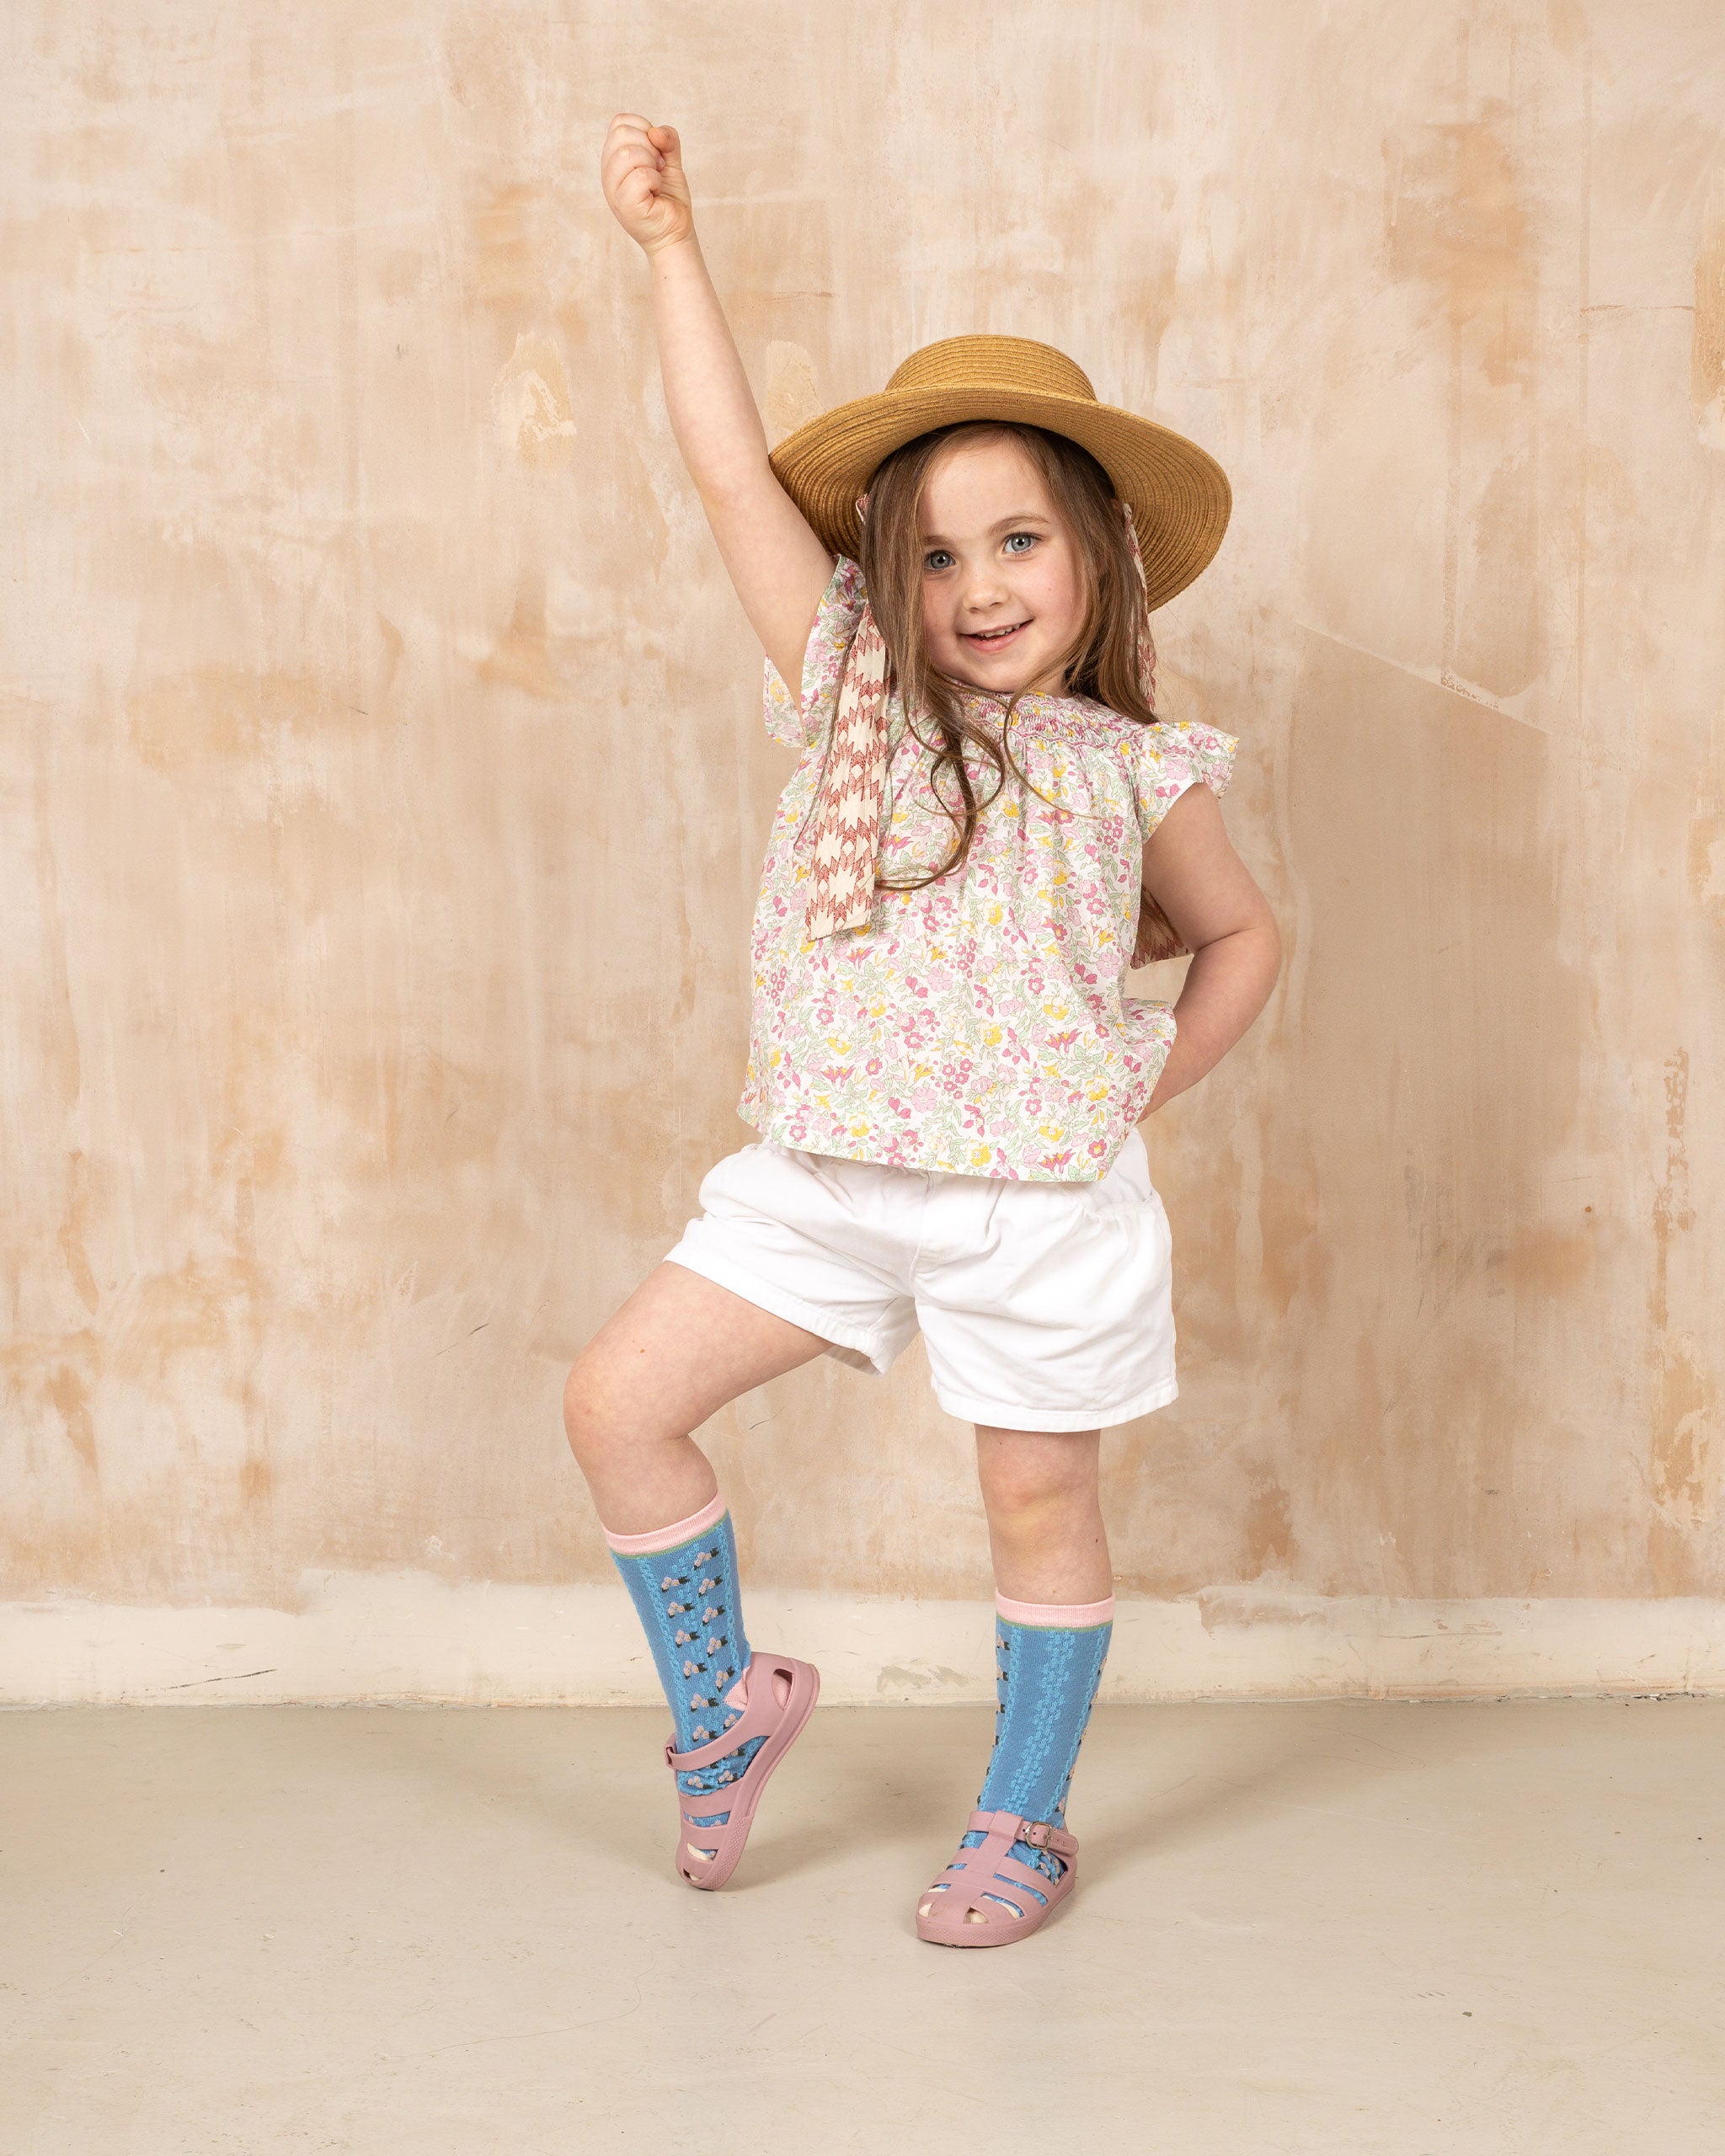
[937,557]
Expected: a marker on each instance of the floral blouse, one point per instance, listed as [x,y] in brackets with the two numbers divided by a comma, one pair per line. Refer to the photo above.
[974,1026]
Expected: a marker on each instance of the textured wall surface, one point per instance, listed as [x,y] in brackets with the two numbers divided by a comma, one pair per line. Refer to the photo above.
[384,785]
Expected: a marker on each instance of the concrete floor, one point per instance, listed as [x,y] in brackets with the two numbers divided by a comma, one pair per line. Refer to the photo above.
[1437,1930]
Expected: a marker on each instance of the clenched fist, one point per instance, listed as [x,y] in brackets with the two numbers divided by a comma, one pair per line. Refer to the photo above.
[641,168]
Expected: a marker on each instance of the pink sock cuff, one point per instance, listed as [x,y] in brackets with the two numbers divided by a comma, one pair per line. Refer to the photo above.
[668,1538]
[1069,1616]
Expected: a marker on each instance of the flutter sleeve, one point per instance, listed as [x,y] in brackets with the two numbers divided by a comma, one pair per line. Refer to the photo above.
[822,663]
[1172,755]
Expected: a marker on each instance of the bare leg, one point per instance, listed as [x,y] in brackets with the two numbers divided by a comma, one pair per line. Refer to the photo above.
[674,1353]
[1044,1514]
[1044,1524]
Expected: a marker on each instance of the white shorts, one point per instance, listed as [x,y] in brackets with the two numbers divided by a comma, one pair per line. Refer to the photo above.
[1043,1306]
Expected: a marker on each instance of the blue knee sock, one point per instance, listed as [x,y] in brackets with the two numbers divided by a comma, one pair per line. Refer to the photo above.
[1047,1660]
[683,1581]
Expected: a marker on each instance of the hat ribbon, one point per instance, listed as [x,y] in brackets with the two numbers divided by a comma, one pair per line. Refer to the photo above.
[843,834]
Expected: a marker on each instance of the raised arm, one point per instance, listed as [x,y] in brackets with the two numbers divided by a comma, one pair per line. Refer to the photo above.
[779,569]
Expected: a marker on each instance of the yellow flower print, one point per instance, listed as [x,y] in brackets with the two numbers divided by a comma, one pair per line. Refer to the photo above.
[1057,863]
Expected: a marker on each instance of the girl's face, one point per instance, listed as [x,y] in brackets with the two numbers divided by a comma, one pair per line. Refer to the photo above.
[1002,590]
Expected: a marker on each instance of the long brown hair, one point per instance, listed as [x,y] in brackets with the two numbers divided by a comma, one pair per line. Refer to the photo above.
[1101,663]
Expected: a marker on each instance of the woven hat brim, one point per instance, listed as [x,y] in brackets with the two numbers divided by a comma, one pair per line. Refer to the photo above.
[1179,494]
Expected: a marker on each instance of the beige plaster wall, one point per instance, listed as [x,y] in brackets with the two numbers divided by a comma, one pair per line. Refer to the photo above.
[384,786]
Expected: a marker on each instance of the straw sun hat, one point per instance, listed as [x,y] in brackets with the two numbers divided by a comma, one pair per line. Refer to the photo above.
[1179,496]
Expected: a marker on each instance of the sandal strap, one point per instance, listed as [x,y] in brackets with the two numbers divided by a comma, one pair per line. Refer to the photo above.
[1038,1833]
[1007,1875]
[760,1718]
[709,1803]
[990,1869]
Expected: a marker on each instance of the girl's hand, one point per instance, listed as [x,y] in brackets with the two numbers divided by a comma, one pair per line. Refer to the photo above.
[641,168]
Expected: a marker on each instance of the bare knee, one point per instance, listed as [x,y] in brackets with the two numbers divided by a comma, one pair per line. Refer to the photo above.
[1021,1502]
[591,1419]
[1024,1473]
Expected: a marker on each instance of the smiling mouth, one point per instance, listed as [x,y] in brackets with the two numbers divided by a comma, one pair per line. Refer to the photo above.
[990,639]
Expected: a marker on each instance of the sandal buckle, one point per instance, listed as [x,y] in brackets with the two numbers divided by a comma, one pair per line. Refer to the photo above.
[1034,1832]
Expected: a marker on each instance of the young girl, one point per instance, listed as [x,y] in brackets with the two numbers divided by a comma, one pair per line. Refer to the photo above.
[986,826]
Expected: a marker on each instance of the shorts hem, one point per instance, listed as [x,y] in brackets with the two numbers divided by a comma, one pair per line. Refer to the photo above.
[1000,1415]
[768,1295]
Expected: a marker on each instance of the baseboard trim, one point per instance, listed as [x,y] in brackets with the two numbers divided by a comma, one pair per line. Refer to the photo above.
[363,1637]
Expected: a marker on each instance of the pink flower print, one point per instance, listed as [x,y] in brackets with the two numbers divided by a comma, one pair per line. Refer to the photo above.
[1099,1146]
[1041,915]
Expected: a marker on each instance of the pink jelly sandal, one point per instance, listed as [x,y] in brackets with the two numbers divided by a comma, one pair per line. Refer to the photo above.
[762,1717]
[975,1874]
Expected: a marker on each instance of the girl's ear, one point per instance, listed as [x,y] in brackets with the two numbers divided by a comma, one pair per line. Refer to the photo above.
[863,505]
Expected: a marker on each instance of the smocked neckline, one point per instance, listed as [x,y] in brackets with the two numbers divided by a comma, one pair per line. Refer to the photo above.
[1031,697]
